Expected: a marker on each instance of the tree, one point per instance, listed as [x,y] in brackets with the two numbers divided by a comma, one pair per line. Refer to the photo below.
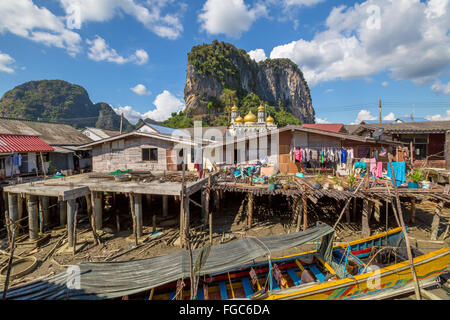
[229,99]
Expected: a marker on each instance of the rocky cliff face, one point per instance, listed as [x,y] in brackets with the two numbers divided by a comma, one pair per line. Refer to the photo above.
[216,66]
[59,101]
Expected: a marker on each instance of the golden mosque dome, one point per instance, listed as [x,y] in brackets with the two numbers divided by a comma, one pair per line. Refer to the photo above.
[250,117]
[261,108]
[270,119]
[239,119]
[234,108]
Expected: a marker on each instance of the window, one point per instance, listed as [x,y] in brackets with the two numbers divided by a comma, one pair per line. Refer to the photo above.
[150,154]
[118,146]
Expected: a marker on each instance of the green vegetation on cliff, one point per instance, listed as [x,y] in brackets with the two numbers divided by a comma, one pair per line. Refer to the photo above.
[59,101]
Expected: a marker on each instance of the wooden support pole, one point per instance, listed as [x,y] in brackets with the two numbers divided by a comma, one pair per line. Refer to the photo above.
[154,223]
[88,204]
[299,209]
[210,227]
[33,217]
[62,213]
[217,200]
[92,216]
[138,213]
[20,206]
[45,212]
[365,219]
[204,212]
[44,172]
[347,214]
[41,215]
[133,217]
[377,212]
[408,247]
[75,229]
[413,211]
[165,205]
[71,207]
[250,210]
[97,209]
[436,220]
[305,212]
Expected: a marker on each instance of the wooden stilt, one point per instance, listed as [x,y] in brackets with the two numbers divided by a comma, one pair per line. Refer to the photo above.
[377,212]
[75,229]
[347,214]
[210,227]
[154,223]
[436,220]
[299,208]
[250,210]
[133,217]
[92,215]
[305,212]
[413,211]
[365,219]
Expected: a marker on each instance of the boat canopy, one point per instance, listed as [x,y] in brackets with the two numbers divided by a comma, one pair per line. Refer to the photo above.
[106,280]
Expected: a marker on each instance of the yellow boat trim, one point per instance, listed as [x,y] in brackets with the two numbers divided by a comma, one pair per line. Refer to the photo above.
[326,265]
[299,265]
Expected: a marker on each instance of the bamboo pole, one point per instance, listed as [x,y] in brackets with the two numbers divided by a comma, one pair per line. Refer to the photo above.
[43,167]
[408,247]
[305,213]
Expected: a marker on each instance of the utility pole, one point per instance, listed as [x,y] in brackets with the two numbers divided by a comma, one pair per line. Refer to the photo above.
[379,110]
[412,113]
[121,122]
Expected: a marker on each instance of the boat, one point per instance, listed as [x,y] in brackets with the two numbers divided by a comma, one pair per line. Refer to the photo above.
[306,276]
[375,267]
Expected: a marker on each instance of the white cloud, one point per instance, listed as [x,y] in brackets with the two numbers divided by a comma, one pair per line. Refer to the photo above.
[141,90]
[439,117]
[99,50]
[5,63]
[440,87]
[389,117]
[306,3]
[408,38]
[322,121]
[231,17]
[130,114]
[149,13]
[363,115]
[257,55]
[329,90]
[23,18]
[385,83]
[165,103]
[141,56]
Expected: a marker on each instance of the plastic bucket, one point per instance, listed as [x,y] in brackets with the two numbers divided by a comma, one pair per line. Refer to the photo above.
[413,185]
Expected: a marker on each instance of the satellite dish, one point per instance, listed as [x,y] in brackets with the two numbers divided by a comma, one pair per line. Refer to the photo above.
[377,133]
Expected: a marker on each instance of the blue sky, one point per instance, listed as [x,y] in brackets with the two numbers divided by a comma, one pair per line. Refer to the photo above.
[132,54]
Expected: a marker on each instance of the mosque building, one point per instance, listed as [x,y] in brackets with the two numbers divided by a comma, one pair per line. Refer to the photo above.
[250,124]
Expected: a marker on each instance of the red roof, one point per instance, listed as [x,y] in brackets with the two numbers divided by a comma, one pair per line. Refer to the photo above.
[22,143]
[333,127]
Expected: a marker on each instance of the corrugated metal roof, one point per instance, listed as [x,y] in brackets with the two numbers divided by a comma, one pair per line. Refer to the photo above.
[22,143]
[51,133]
[411,127]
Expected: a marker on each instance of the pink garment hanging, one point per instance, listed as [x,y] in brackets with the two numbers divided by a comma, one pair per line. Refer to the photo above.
[298,155]
[379,169]
[373,167]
